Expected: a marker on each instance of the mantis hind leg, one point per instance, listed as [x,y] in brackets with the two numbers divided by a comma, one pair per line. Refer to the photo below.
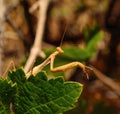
[11,63]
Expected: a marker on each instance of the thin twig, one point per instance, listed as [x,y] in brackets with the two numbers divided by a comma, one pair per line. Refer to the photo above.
[34,7]
[108,81]
[19,32]
[36,49]
[11,22]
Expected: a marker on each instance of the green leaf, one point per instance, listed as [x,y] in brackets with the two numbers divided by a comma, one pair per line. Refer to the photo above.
[93,43]
[37,94]
[7,91]
[74,53]
[78,54]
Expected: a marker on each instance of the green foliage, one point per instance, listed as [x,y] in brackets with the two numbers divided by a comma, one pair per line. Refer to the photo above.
[7,93]
[37,94]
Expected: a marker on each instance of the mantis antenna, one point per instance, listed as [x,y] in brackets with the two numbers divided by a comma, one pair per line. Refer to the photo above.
[63,35]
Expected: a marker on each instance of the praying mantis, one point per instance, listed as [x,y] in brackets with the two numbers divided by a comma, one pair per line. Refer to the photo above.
[51,59]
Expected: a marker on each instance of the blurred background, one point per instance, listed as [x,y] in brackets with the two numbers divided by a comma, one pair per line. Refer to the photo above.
[87,30]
